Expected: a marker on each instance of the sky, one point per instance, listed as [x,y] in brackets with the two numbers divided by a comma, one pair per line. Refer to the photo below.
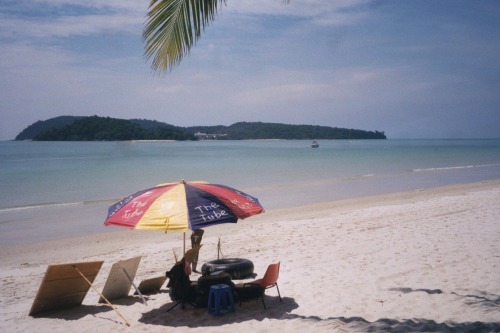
[413,69]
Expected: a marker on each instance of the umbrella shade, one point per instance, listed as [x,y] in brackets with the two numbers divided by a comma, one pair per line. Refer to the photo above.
[181,206]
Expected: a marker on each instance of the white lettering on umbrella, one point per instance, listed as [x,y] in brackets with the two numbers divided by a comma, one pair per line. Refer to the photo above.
[210,212]
[214,215]
[210,207]
[138,204]
[135,211]
[242,205]
[130,214]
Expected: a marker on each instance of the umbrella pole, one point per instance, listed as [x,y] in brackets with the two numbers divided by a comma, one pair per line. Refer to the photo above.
[218,249]
[184,248]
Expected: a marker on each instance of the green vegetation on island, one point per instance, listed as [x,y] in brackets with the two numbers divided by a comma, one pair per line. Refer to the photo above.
[94,128]
[259,130]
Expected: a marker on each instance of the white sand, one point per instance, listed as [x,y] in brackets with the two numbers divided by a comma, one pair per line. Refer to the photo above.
[419,261]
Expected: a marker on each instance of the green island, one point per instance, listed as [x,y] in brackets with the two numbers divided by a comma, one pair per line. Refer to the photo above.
[95,128]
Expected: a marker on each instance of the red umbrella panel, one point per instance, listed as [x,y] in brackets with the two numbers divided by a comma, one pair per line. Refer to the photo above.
[181,206]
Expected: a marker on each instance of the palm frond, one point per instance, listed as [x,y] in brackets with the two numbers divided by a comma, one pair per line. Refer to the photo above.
[173,27]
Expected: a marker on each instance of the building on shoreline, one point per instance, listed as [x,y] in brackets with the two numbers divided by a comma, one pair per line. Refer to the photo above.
[205,136]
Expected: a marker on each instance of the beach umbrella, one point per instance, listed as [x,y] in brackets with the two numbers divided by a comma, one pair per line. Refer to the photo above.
[181,206]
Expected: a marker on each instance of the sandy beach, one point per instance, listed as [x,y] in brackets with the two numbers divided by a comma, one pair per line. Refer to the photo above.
[426,260]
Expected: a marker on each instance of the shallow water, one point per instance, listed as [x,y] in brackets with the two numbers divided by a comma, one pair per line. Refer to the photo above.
[60,189]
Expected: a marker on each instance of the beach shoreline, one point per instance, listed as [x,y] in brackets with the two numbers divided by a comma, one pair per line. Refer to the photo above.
[414,261]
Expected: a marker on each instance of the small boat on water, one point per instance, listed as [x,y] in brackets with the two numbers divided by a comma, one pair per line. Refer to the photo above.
[315,144]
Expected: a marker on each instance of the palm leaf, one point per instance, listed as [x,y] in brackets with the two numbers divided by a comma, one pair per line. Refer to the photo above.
[173,27]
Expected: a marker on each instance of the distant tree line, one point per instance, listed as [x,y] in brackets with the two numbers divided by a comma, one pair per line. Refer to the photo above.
[69,128]
[259,130]
[30,132]
[109,129]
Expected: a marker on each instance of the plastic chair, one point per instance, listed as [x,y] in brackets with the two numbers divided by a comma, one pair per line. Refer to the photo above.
[269,280]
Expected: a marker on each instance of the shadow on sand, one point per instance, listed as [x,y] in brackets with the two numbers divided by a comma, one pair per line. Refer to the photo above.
[476,298]
[199,317]
[253,310]
[358,324]
[80,311]
[191,318]
[488,302]
[74,313]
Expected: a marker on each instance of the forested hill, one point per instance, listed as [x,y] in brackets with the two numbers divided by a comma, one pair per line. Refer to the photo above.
[259,130]
[102,129]
[72,128]
[30,132]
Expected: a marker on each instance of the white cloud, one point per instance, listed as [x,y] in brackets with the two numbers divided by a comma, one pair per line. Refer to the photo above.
[70,26]
[173,89]
[95,17]
[129,5]
[340,12]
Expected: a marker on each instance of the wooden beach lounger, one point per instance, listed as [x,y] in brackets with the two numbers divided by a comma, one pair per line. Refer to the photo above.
[120,279]
[63,286]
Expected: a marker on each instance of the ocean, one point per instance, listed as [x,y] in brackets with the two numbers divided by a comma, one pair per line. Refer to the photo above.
[62,189]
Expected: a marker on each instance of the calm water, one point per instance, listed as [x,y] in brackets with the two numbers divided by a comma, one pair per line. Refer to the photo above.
[47,185]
